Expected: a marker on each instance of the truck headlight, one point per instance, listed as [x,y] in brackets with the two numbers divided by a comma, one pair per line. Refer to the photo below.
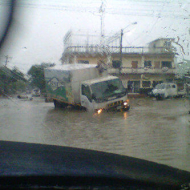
[125,103]
[99,111]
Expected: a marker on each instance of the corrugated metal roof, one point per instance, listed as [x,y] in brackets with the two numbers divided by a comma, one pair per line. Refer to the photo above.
[68,67]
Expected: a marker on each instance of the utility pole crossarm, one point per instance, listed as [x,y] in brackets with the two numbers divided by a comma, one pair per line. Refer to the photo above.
[7,60]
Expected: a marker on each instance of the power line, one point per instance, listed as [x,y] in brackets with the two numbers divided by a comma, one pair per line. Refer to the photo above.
[11,71]
[119,11]
[156,20]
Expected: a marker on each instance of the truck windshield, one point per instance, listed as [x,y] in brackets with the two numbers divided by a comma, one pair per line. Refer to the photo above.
[160,86]
[107,89]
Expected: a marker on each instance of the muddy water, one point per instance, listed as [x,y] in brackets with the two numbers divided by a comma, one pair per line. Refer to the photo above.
[153,130]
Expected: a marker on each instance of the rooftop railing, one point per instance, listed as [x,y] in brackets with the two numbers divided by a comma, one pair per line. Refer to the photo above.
[142,70]
[115,49]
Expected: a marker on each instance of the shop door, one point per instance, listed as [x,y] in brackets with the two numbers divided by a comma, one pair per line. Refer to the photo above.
[134,64]
[134,86]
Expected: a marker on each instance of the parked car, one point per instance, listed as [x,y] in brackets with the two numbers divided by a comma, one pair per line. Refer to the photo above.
[166,90]
[25,96]
[36,93]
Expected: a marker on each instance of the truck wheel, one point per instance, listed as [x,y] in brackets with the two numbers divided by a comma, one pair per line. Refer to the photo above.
[59,104]
[159,97]
[127,109]
[56,104]
[63,105]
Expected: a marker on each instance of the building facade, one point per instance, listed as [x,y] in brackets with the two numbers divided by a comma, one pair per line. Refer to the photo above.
[139,68]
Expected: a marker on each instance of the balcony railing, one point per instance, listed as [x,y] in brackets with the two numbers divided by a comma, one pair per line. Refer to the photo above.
[143,70]
[114,49]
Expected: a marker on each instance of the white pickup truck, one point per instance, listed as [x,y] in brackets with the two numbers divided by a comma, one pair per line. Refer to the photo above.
[166,90]
[83,85]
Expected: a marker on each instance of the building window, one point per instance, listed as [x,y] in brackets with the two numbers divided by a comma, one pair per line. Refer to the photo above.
[83,61]
[147,64]
[134,64]
[167,44]
[167,64]
[116,64]
[146,84]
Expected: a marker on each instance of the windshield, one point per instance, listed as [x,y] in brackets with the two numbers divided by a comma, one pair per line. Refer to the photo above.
[160,86]
[51,49]
[107,89]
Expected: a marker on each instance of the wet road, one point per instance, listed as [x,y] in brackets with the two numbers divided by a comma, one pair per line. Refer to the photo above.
[153,130]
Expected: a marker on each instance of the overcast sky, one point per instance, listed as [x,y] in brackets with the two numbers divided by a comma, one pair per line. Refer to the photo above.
[39,26]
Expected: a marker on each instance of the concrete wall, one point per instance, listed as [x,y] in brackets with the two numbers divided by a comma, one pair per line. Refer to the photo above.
[126,60]
[160,45]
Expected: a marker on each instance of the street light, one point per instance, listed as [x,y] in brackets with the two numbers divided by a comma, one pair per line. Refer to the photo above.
[117,35]
[121,40]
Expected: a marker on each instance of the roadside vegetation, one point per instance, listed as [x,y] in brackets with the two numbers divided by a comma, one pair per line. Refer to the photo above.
[36,76]
[11,81]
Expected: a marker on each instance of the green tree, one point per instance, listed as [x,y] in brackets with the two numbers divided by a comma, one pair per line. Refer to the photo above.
[11,80]
[18,75]
[36,73]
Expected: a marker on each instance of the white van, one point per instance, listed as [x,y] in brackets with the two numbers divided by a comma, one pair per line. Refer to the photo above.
[166,90]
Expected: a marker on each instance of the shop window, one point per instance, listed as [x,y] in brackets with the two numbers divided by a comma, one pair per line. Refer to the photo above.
[146,84]
[83,61]
[116,64]
[167,64]
[134,64]
[147,64]
[133,86]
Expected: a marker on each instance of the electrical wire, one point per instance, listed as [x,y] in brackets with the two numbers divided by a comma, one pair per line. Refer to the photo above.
[119,11]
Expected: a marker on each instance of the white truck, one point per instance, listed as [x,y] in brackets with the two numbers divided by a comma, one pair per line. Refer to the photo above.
[166,90]
[83,85]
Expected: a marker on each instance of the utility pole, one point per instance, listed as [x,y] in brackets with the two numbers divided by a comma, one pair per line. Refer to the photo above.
[7,60]
[102,12]
[121,46]
[121,39]
[101,62]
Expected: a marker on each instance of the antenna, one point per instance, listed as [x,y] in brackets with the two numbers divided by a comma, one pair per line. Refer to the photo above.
[102,11]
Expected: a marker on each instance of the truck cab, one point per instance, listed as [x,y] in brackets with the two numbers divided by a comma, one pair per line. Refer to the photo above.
[166,90]
[105,93]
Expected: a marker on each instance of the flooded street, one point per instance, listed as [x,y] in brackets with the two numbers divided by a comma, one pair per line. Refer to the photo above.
[153,130]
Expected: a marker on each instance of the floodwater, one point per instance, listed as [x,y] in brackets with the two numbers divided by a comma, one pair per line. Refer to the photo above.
[158,131]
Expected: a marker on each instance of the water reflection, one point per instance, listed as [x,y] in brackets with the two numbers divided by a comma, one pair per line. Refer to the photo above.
[125,115]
